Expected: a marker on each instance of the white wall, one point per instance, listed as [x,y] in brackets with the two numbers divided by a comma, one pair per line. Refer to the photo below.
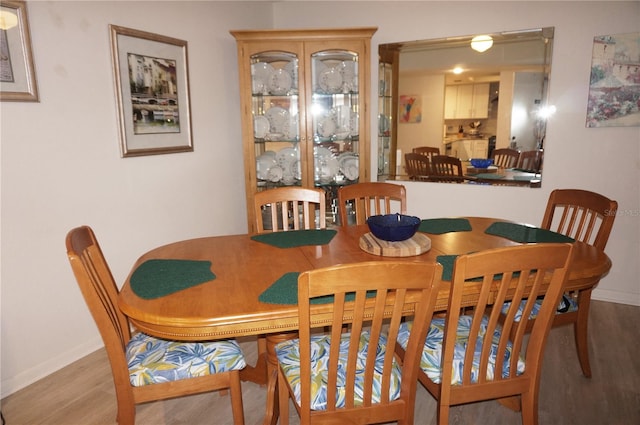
[428,132]
[61,167]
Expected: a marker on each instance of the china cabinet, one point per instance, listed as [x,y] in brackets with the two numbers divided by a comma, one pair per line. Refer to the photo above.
[304,98]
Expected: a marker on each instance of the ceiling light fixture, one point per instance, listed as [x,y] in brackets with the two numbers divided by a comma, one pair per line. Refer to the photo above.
[481,43]
[7,20]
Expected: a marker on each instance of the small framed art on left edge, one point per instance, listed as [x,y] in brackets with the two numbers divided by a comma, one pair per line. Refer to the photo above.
[151,77]
[17,73]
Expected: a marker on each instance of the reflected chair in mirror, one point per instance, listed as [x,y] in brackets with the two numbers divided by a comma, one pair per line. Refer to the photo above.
[470,355]
[446,169]
[586,217]
[428,151]
[505,158]
[355,377]
[530,160]
[417,166]
[145,368]
[290,208]
[359,201]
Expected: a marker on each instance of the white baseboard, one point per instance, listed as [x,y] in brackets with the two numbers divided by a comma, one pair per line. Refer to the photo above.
[28,377]
[616,296]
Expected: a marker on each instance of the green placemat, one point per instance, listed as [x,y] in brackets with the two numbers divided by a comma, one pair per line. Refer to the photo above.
[285,291]
[438,226]
[447,262]
[489,176]
[525,234]
[157,278]
[293,238]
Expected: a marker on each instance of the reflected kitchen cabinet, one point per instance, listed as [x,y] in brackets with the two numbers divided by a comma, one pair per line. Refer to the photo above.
[304,98]
[466,101]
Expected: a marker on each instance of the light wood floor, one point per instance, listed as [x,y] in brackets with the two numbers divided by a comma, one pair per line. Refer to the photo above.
[83,393]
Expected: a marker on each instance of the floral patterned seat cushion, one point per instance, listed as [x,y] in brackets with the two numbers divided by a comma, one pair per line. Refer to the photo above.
[288,353]
[562,307]
[432,353]
[153,361]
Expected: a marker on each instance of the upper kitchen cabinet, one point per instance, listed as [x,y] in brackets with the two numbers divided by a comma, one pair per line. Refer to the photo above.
[466,101]
[304,98]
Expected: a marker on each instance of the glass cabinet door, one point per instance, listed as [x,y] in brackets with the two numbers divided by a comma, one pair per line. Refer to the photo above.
[335,117]
[276,125]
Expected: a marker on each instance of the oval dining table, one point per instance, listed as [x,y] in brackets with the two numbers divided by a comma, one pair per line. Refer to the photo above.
[229,305]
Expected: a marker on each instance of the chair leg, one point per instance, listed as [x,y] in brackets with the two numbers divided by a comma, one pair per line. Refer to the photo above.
[580,331]
[236,398]
[529,403]
[443,413]
[283,399]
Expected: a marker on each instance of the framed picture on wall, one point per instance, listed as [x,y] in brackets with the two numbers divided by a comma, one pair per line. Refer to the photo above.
[614,86]
[17,74]
[152,91]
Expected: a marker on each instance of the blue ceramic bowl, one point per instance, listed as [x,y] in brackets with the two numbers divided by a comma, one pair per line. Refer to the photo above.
[393,227]
[481,162]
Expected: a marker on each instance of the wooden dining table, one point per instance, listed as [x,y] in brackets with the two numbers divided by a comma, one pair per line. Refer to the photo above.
[229,306]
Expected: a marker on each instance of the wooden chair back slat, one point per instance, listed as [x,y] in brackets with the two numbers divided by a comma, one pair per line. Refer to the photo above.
[581,214]
[290,208]
[417,166]
[371,198]
[505,157]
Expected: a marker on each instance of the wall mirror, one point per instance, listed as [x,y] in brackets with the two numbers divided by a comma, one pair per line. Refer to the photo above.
[469,97]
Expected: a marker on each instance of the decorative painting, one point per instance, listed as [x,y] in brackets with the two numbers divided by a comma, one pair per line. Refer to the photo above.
[614,88]
[152,90]
[410,109]
[17,74]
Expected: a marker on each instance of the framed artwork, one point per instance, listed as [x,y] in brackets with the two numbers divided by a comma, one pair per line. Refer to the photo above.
[614,86]
[17,74]
[410,109]
[152,91]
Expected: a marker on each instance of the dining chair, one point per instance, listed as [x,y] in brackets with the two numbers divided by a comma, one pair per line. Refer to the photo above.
[586,217]
[446,168]
[530,160]
[370,198]
[470,354]
[428,151]
[355,377]
[290,208]
[418,166]
[146,368]
[505,157]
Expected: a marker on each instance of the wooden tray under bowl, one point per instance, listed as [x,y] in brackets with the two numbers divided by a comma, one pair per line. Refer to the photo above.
[416,245]
[473,170]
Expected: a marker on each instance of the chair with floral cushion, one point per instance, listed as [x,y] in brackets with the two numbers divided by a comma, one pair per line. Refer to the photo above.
[145,368]
[354,377]
[371,198]
[476,356]
[586,217]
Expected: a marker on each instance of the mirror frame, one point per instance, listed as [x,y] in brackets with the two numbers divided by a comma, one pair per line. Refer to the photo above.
[441,56]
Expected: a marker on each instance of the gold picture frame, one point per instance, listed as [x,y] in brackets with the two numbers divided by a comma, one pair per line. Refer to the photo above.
[17,73]
[151,78]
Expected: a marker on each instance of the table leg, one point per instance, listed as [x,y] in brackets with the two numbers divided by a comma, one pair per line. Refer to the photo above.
[272,411]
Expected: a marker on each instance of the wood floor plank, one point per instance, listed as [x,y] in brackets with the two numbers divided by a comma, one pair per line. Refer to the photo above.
[83,394]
